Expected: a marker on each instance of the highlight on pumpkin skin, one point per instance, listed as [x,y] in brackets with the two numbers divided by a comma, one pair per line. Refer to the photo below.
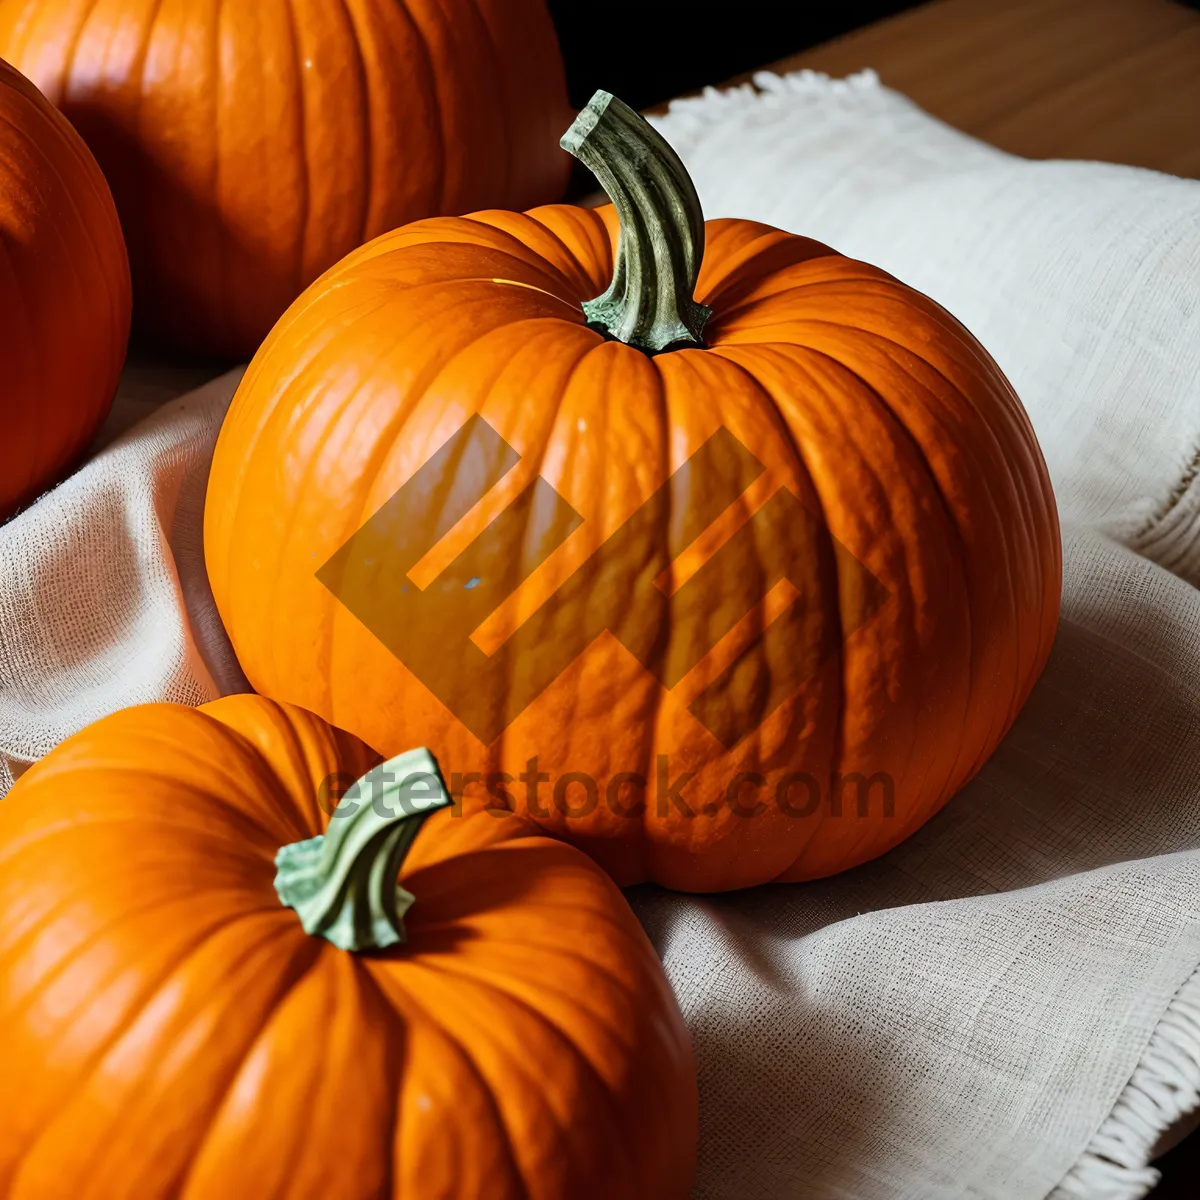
[168,1026]
[822,546]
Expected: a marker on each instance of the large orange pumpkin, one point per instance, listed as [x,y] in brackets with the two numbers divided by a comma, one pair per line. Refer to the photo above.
[252,145]
[64,293]
[168,1028]
[723,591]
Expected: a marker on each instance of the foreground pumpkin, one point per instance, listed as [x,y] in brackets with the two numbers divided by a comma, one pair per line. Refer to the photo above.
[168,1028]
[64,293]
[252,145]
[724,589]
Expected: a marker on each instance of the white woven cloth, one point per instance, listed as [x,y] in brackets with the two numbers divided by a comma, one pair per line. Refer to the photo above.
[104,600]
[1008,1005]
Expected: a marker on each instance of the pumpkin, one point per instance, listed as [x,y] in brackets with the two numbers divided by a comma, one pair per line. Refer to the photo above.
[726,557]
[170,1028]
[250,146]
[64,293]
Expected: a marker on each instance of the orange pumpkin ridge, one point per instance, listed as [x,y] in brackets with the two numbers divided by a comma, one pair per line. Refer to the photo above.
[64,293]
[250,146]
[749,602]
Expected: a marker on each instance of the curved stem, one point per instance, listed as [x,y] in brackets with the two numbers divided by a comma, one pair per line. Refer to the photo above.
[649,303]
[343,885]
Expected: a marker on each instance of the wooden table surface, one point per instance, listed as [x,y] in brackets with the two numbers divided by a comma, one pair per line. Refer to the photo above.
[1117,80]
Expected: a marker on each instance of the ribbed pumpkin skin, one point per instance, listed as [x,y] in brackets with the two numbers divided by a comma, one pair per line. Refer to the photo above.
[868,401]
[251,145]
[167,1028]
[64,293]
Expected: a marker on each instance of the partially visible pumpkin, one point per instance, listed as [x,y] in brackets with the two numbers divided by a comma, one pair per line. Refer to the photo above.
[252,145]
[168,1028]
[64,293]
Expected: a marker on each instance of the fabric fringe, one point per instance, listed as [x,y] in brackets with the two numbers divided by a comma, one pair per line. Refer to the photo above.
[1163,1090]
[715,105]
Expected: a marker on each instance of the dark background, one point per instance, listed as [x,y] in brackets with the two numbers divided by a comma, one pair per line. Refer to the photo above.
[647,51]
[1181,1172]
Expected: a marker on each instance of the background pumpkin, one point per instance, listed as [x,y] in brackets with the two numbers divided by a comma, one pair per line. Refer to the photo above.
[896,470]
[64,293]
[168,1028]
[250,146]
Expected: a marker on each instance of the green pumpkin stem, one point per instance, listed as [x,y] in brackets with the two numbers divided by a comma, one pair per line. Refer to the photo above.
[343,885]
[649,303]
